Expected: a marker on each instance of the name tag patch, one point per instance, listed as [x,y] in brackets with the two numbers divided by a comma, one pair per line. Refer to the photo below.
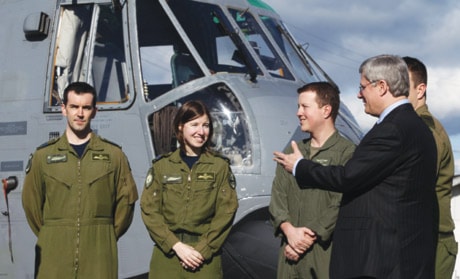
[324,162]
[172,179]
[57,158]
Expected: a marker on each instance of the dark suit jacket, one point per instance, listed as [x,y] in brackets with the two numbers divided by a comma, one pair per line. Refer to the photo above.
[386,226]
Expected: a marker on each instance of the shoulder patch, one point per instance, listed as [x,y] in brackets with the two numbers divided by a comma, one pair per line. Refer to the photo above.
[110,142]
[149,179]
[232,180]
[29,163]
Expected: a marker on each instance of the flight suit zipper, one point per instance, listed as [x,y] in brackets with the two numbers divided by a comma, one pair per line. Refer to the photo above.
[188,192]
[78,224]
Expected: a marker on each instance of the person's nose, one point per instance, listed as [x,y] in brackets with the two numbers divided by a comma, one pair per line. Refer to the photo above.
[299,112]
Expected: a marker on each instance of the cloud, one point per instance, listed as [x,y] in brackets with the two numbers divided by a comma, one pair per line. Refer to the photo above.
[443,91]
[342,34]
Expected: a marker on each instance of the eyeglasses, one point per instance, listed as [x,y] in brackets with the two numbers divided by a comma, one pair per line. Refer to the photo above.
[362,87]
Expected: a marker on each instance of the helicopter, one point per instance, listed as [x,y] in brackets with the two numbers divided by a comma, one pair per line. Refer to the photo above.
[145,58]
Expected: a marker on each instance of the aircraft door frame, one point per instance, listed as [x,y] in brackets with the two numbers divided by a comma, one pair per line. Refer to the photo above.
[89,45]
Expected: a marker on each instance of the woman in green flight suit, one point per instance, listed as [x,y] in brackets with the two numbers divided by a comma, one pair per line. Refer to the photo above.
[189,201]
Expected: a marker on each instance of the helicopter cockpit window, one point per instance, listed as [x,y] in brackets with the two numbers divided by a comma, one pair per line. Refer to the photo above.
[90,47]
[231,133]
[258,40]
[166,61]
[211,33]
[158,77]
[285,42]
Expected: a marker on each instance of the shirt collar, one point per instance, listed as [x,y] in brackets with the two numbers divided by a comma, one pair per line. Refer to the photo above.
[391,108]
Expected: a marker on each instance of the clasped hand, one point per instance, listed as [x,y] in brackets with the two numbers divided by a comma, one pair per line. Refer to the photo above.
[299,239]
[188,256]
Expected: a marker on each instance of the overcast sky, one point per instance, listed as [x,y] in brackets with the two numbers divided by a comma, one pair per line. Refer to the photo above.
[342,34]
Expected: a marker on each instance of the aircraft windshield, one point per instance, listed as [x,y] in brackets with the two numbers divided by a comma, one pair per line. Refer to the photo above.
[166,60]
[212,35]
[285,42]
[258,40]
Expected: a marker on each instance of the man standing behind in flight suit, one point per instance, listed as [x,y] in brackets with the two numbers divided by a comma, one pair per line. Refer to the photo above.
[78,196]
[446,251]
[305,218]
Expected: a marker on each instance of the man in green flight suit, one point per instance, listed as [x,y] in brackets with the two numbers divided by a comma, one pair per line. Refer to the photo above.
[78,196]
[446,251]
[305,218]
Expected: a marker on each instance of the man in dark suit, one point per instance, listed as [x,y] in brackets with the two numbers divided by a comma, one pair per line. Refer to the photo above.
[387,224]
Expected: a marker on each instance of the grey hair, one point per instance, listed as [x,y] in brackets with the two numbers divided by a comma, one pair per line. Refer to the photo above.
[390,68]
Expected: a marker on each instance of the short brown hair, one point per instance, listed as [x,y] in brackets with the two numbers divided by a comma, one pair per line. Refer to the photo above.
[326,94]
[417,69]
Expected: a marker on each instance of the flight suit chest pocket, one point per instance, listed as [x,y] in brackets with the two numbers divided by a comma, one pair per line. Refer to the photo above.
[200,197]
[101,181]
[203,183]
[173,188]
[58,176]
[58,173]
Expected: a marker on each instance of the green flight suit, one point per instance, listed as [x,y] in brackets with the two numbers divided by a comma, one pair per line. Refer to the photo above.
[194,206]
[78,207]
[447,247]
[315,209]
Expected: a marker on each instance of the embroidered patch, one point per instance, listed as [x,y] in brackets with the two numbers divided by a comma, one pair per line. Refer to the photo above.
[232,181]
[29,163]
[172,179]
[205,176]
[58,158]
[149,179]
[324,162]
[101,157]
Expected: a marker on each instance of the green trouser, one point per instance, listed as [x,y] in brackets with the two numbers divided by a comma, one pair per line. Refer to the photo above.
[168,266]
[446,254]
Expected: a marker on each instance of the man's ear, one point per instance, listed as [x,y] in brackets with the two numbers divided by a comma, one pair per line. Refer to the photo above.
[93,114]
[63,110]
[421,91]
[383,87]
[327,109]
